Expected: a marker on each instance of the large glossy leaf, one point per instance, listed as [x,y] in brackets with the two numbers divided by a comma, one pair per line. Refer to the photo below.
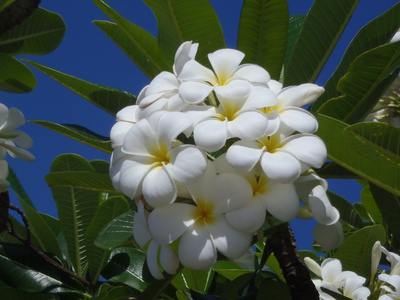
[17,187]
[41,33]
[15,77]
[389,205]
[187,20]
[263,32]
[295,24]
[365,82]
[370,205]
[78,133]
[229,269]
[108,99]
[348,214]
[127,265]
[76,209]
[116,232]
[139,45]
[109,292]
[355,252]
[376,33]
[341,152]
[322,29]
[376,141]
[8,292]
[106,212]
[198,280]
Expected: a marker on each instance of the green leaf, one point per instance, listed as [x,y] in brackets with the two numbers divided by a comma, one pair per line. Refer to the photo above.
[263,33]
[116,232]
[17,187]
[187,20]
[340,152]
[106,212]
[108,99]
[15,77]
[295,24]
[229,269]
[365,82]
[323,26]
[333,170]
[376,141]
[272,289]
[109,292]
[374,34]
[41,33]
[370,205]
[335,295]
[76,209]
[348,214]
[85,180]
[127,266]
[355,252]
[8,292]
[198,280]
[139,45]
[78,133]
[5,3]
[389,205]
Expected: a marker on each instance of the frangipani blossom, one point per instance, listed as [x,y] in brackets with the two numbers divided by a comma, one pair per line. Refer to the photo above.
[198,81]
[153,162]
[394,281]
[10,137]
[167,258]
[202,226]
[328,236]
[333,278]
[281,158]
[236,116]
[289,109]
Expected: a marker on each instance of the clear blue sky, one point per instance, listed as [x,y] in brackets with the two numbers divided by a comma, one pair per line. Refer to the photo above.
[88,54]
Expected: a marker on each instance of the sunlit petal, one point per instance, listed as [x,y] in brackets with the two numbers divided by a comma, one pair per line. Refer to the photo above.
[152,261]
[193,71]
[281,201]
[139,139]
[194,92]
[248,125]
[243,155]
[131,176]
[299,119]
[159,188]
[169,126]
[211,135]
[225,62]
[252,73]
[300,95]
[248,218]
[185,52]
[280,166]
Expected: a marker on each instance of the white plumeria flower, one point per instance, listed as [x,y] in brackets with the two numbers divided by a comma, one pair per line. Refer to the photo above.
[333,278]
[328,236]
[199,81]
[126,118]
[376,254]
[288,109]
[281,158]
[394,281]
[4,184]
[150,163]
[163,91]
[279,199]
[10,137]
[202,226]
[236,116]
[156,255]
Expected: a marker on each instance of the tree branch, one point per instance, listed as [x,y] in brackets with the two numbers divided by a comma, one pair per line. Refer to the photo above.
[16,13]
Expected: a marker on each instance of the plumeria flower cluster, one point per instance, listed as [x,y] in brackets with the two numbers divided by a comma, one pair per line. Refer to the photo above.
[10,139]
[209,154]
[333,278]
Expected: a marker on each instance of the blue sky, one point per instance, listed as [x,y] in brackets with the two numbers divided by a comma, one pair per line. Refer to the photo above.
[88,54]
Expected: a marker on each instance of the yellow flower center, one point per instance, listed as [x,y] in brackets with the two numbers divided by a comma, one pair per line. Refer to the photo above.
[204,213]
[270,143]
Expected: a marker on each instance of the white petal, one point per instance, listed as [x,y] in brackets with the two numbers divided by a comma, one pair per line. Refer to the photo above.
[185,52]
[3,114]
[299,119]
[15,119]
[308,148]
[252,73]
[394,280]
[211,135]
[128,114]
[159,188]
[145,112]
[280,166]
[140,139]
[196,250]
[321,208]
[169,126]
[249,125]
[352,283]
[274,122]
[228,192]
[168,223]
[225,62]
[194,92]
[281,201]
[15,151]
[275,86]
[118,132]
[361,293]
[187,163]
[169,259]
[162,83]
[22,139]
[199,188]
[152,261]
[330,269]
[131,176]
[300,95]
[248,218]
[243,155]
[230,242]
[328,236]
[260,97]
[235,91]
[313,266]
[193,71]
[140,228]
